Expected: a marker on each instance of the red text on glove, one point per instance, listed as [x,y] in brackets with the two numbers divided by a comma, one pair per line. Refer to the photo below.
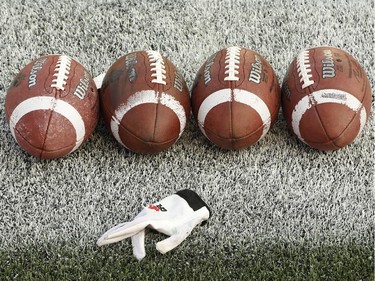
[157,208]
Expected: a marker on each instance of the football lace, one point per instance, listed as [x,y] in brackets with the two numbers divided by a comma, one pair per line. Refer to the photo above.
[232,63]
[304,69]
[157,67]
[61,72]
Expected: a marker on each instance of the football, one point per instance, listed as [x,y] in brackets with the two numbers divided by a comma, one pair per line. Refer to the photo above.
[145,102]
[326,98]
[235,98]
[52,106]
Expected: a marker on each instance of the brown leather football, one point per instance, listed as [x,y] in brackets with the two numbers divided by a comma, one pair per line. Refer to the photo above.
[52,106]
[326,98]
[235,98]
[145,102]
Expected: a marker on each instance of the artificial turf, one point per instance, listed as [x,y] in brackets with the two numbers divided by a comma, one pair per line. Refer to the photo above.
[349,261]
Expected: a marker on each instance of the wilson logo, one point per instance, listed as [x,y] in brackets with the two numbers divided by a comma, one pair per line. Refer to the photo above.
[38,65]
[130,62]
[82,87]
[328,66]
[256,70]
[178,81]
[207,69]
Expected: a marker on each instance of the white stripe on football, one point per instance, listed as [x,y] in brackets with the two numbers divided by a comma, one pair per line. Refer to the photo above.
[326,96]
[239,95]
[52,104]
[144,97]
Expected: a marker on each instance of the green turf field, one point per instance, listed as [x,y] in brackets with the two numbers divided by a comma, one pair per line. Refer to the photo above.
[261,262]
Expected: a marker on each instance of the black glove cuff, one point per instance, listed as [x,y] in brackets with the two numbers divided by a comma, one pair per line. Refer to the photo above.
[193,199]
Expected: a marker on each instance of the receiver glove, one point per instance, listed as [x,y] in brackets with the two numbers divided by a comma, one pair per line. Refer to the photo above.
[175,216]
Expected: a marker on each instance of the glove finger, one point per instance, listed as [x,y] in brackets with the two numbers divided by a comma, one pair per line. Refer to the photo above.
[138,242]
[104,240]
[118,232]
[172,242]
[126,230]
[176,239]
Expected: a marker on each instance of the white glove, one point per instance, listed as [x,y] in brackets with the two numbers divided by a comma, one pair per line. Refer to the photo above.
[175,216]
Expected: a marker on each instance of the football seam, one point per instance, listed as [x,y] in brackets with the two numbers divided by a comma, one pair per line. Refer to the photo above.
[232,138]
[342,132]
[311,90]
[48,123]
[159,90]
[230,105]
[144,141]
[132,133]
[57,92]
[41,148]
[49,119]
[355,115]
[272,114]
